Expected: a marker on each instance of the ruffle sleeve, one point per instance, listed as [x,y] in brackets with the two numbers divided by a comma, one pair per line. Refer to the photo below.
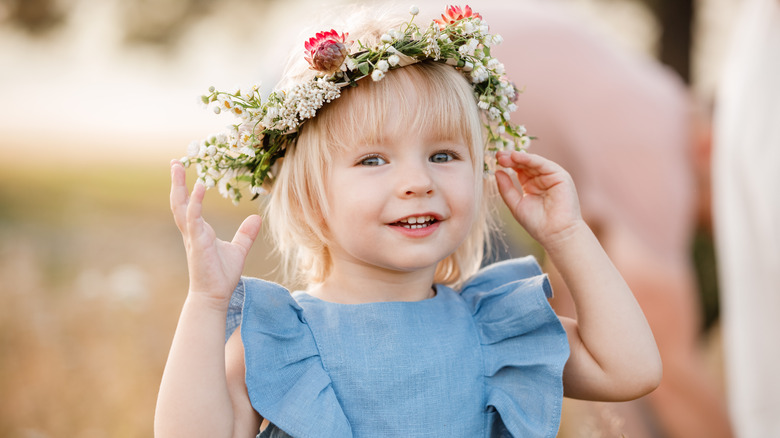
[285,377]
[524,347]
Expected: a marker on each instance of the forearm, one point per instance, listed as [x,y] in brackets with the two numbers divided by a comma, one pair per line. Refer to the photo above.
[620,356]
[193,399]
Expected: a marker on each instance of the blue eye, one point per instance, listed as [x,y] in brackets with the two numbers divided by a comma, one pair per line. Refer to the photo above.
[443,157]
[373,160]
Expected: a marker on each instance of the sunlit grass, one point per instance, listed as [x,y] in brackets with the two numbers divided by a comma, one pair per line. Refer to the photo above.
[93,276]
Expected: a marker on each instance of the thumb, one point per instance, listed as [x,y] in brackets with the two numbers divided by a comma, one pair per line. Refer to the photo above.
[247,232]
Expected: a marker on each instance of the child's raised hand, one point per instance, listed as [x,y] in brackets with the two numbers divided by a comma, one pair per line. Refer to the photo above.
[547,206]
[214,265]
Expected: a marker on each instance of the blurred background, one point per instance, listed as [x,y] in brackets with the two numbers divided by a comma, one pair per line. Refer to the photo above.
[99,96]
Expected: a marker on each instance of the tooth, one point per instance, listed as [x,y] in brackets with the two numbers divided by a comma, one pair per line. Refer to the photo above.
[412,220]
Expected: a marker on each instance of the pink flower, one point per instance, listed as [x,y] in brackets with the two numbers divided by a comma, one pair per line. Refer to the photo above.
[326,51]
[454,14]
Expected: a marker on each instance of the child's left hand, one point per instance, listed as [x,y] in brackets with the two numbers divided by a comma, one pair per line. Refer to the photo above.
[548,205]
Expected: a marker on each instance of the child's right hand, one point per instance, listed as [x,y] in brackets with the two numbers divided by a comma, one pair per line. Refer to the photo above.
[214,265]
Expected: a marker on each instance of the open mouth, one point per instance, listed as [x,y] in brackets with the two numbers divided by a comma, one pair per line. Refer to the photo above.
[415,222]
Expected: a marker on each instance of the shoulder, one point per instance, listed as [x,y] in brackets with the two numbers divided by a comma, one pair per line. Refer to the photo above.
[523,343]
[522,272]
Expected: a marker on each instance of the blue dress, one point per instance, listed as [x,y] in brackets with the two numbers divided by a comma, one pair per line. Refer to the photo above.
[483,362]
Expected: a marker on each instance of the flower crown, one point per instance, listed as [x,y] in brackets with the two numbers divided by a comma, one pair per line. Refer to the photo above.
[245,154]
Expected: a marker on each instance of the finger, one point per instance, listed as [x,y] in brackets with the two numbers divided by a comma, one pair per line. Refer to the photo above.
[247,232]
[178,194]
[509,193]
[539,171]
[195,207]
[532,163]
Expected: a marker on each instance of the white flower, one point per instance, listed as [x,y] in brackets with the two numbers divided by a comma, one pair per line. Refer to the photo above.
[351,64]
[383,65]
[394,60]
[209,182]
[468,27]
[480,74]
[246,150]
[217,110]
[211,150]
[193,149]
[525,141]
[386,38]
[483,105]
[414,10]
[468,66]
[377,75]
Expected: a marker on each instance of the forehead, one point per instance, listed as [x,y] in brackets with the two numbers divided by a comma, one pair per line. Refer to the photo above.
[433,101]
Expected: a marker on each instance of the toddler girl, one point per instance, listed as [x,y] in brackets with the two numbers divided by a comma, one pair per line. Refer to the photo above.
[381,206]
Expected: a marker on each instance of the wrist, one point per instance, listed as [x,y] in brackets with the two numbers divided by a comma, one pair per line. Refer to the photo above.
[564,238]
[208,301]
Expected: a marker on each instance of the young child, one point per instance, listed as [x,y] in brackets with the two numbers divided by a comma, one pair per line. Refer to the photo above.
[381,205]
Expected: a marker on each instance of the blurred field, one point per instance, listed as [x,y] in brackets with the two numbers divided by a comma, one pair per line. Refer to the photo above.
[92,276]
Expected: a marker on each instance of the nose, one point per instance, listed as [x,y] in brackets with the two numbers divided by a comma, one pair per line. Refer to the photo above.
[416,181]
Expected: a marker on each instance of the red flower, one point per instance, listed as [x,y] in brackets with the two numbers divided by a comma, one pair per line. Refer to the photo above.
[326,51]
[454,14]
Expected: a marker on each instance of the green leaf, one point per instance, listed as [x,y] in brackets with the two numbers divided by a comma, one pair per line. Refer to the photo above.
[363,67]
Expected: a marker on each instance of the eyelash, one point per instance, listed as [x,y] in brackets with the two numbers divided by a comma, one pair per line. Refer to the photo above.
[452,155]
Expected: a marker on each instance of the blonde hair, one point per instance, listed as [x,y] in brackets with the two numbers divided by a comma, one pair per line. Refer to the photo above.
[298,205]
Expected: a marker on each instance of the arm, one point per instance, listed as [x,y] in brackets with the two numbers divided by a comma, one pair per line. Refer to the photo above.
[688,402]
[194,398]
[613,353]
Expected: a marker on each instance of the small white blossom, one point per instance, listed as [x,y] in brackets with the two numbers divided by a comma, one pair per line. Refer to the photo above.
[377,75]
[386,38]
[394,60]
[468,27]
[383,65]
[209,182]
[414,10]
[246,150]
[483,105]
[351,63]
[479,75]
[193,149]
[217,110]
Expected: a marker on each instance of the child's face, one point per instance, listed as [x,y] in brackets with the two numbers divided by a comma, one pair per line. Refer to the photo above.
[403,204]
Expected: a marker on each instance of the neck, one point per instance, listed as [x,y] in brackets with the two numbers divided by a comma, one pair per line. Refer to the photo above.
[358,284]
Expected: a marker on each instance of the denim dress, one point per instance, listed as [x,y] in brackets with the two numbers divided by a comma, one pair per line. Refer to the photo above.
[486,361]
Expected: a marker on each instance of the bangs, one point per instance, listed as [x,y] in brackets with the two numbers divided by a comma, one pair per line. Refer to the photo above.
[428,98]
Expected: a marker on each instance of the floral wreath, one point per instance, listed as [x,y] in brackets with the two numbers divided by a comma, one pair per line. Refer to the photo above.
[245,154]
